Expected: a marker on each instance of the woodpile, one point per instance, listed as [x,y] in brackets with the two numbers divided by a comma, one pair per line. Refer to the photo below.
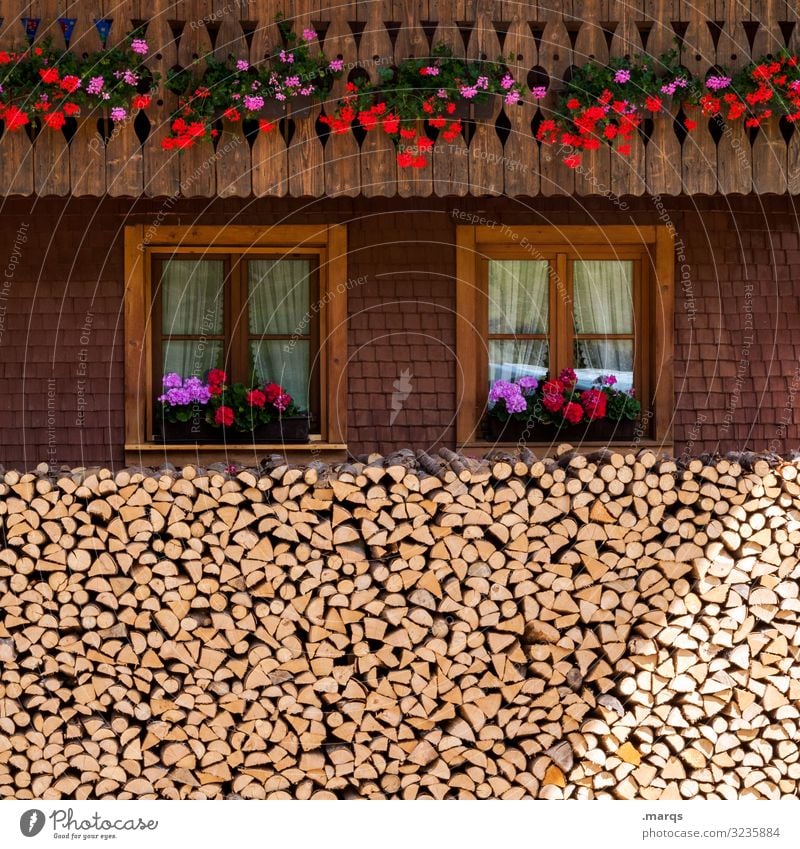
[585,626]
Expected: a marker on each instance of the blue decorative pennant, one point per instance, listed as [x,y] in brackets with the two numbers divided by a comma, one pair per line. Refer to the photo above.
[31,25]
[67,26]
[103,28]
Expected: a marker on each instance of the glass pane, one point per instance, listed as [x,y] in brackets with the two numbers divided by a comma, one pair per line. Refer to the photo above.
[271,362]
[603,291]
[595,357]
[518,296]
[278,297]
[510,359]
[191,358]
[192,297]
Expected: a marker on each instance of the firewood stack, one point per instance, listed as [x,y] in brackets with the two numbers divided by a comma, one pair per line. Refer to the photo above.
[611,625]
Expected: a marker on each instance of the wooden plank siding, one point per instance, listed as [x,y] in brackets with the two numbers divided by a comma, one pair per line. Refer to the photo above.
[300,161]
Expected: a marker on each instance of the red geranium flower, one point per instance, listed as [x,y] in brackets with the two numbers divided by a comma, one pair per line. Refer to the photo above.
[141,101]
[573,412]
[224,416]
[452,131]
[71,109]
[438,122]
[232,114]
[553,403]
[391,124]
[553,398]
[653,103]
[282,401]
[266,126]
[690,124]
[594,402]
[70,83]
[424,143]
[405,159]
[216,376]
[55,120]
[419,162]
[5,58]
[573,103]
[451,107]
[49,75]
[15,118]
[408,133]
[572,161]
[256,398]
[367,120]
[272,391]
[567,378]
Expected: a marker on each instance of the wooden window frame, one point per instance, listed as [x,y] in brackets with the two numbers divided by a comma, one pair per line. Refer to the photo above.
[145,243]
[654,284]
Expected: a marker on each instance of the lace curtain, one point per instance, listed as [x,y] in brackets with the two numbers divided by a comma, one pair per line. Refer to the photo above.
[518,304]
[192,304]
[603,296]
[278,304]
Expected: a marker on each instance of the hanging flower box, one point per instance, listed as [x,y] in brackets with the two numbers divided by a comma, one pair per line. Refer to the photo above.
[301,105]
[274,110]
[483,110]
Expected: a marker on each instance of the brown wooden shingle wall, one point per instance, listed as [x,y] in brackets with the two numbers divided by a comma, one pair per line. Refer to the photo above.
[737,316]
[548,35]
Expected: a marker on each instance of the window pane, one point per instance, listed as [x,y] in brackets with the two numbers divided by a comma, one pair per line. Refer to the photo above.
[192,297]
[518,296]
[603,291]
[278,297]
[510,359]
[272,363]
[191,358]
[594,357]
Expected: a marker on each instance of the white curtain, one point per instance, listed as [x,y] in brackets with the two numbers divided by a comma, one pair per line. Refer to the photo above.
[278,304]
[518,294]
[603,304]
[192,304]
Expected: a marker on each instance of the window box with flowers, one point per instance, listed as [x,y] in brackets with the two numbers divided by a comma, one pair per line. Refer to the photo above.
[557,409]
[212,410]
[564,334]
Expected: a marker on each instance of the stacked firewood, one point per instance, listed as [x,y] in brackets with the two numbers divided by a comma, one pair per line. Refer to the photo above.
[605,625]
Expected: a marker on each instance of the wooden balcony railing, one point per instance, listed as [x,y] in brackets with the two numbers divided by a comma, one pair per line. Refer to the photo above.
[493,159]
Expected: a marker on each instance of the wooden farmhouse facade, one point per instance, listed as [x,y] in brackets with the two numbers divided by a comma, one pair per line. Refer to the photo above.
[387,299]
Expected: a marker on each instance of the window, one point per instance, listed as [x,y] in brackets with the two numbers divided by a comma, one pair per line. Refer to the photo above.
[262,304]
[247,314]
[535,300]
